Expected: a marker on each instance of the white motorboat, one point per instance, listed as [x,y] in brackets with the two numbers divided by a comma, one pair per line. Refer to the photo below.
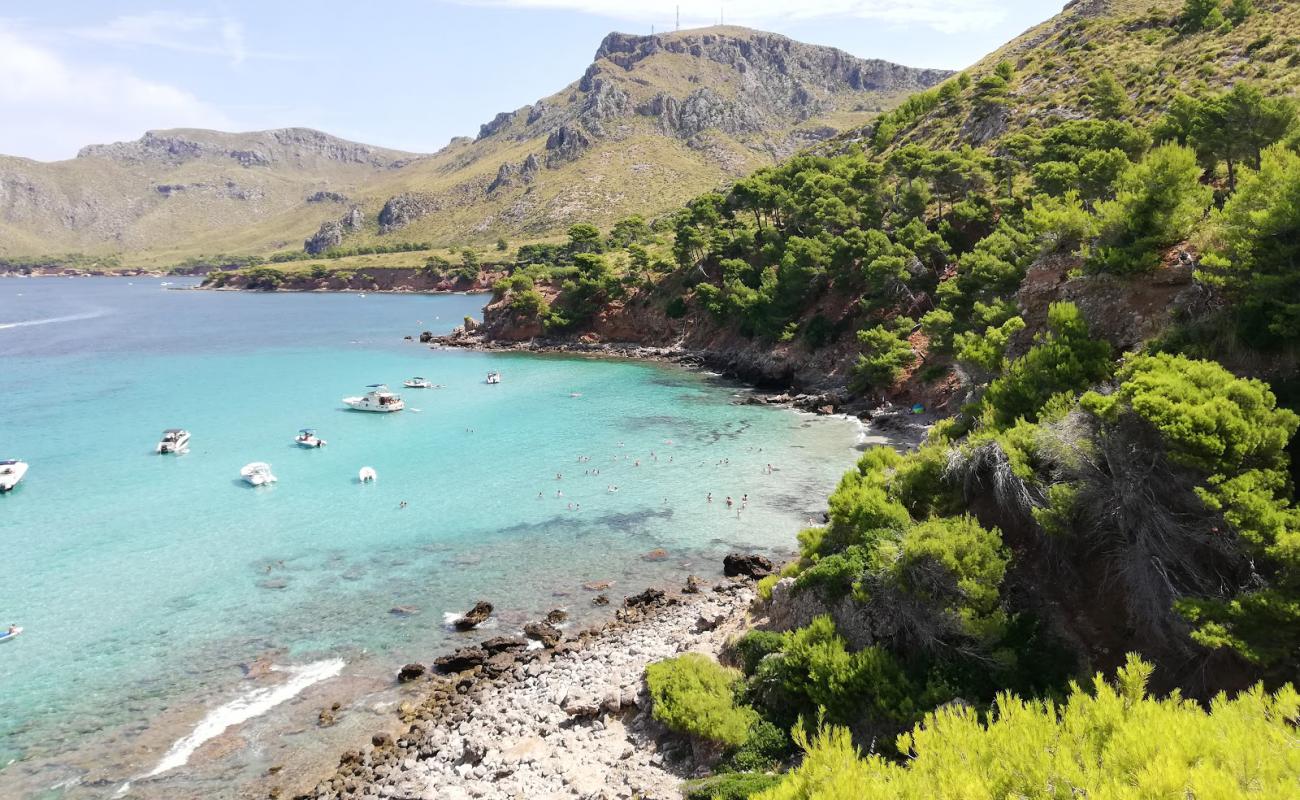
[494,377]
[307,438]
[11,471]
[367,474]
[377,399]
[174,440]
[418,383]
[257,473]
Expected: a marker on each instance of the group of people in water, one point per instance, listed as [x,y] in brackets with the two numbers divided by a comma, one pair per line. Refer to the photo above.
[612,488]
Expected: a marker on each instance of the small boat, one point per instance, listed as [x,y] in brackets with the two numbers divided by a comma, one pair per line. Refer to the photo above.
[307,438]
[11,471]
[377,399]
[418,383]
[367,474]
[174,440]
[257,473]
[494,377]
[10,635]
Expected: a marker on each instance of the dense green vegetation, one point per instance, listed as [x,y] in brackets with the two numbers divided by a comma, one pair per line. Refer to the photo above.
[1083,501]
[1114,742]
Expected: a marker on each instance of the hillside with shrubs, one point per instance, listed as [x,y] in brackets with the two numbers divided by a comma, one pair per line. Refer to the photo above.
[1085,253]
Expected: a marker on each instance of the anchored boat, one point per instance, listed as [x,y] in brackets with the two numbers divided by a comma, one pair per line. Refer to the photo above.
[307,438]
[257,473]
[377,399]
[174,440]
[11,472]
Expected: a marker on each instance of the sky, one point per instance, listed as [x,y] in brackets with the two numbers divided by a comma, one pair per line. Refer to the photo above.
[407,74]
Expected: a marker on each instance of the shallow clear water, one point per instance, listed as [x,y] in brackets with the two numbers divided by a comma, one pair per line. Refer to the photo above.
[145,581]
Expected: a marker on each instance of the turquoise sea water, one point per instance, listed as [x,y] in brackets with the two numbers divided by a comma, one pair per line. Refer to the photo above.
[144,582]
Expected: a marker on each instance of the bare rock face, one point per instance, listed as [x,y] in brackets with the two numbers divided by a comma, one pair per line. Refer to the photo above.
[403,209]
[566,144]
[329,236]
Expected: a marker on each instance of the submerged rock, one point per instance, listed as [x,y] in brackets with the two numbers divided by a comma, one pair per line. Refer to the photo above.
[475,617]
[556,615]
[749,566]
[600,600]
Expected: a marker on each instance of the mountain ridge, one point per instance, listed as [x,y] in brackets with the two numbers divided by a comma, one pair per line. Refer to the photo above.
[652,121]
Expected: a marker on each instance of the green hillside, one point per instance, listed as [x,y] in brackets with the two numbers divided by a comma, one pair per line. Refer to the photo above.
[1081,258]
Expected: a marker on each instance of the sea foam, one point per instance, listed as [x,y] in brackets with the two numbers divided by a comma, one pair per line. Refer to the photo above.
[241,709]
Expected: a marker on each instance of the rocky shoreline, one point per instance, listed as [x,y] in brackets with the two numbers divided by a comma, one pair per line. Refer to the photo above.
[569,719]
[827,403]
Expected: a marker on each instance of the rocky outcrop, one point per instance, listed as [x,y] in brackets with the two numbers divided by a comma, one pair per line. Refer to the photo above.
[463,659]
[331,233]
[749,566]
[326,197]
[566,144]
[499,122]
[410,672]
[403,209]
[475,617]
[543,632]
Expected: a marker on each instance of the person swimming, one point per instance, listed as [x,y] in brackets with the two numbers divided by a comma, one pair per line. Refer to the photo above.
[729,501]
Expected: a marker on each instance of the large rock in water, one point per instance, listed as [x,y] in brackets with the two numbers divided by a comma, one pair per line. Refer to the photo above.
[547,634]
[750,566]
[410,672]
[475,617]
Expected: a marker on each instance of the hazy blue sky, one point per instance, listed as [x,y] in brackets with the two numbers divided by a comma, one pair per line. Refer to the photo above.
[403,73]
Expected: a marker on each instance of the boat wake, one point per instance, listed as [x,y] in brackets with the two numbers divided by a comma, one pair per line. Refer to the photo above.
[4,326]
[253,704]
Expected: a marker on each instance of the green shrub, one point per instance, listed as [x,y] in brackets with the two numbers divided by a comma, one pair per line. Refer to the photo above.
[1256,248]
[756,645]
[765,748]
[886,353]
[1116,742]
[693,694]
[1231,433]
[1158,202]
[1065,359]
[729,786]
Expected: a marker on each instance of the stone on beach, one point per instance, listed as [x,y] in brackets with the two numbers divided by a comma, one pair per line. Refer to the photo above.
[569,722]
[463,659]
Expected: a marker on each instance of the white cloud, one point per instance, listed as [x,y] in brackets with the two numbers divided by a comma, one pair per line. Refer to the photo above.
[52,106]
[172,30]
[946,16]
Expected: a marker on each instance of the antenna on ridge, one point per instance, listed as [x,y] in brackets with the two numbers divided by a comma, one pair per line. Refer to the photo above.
[679,18]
